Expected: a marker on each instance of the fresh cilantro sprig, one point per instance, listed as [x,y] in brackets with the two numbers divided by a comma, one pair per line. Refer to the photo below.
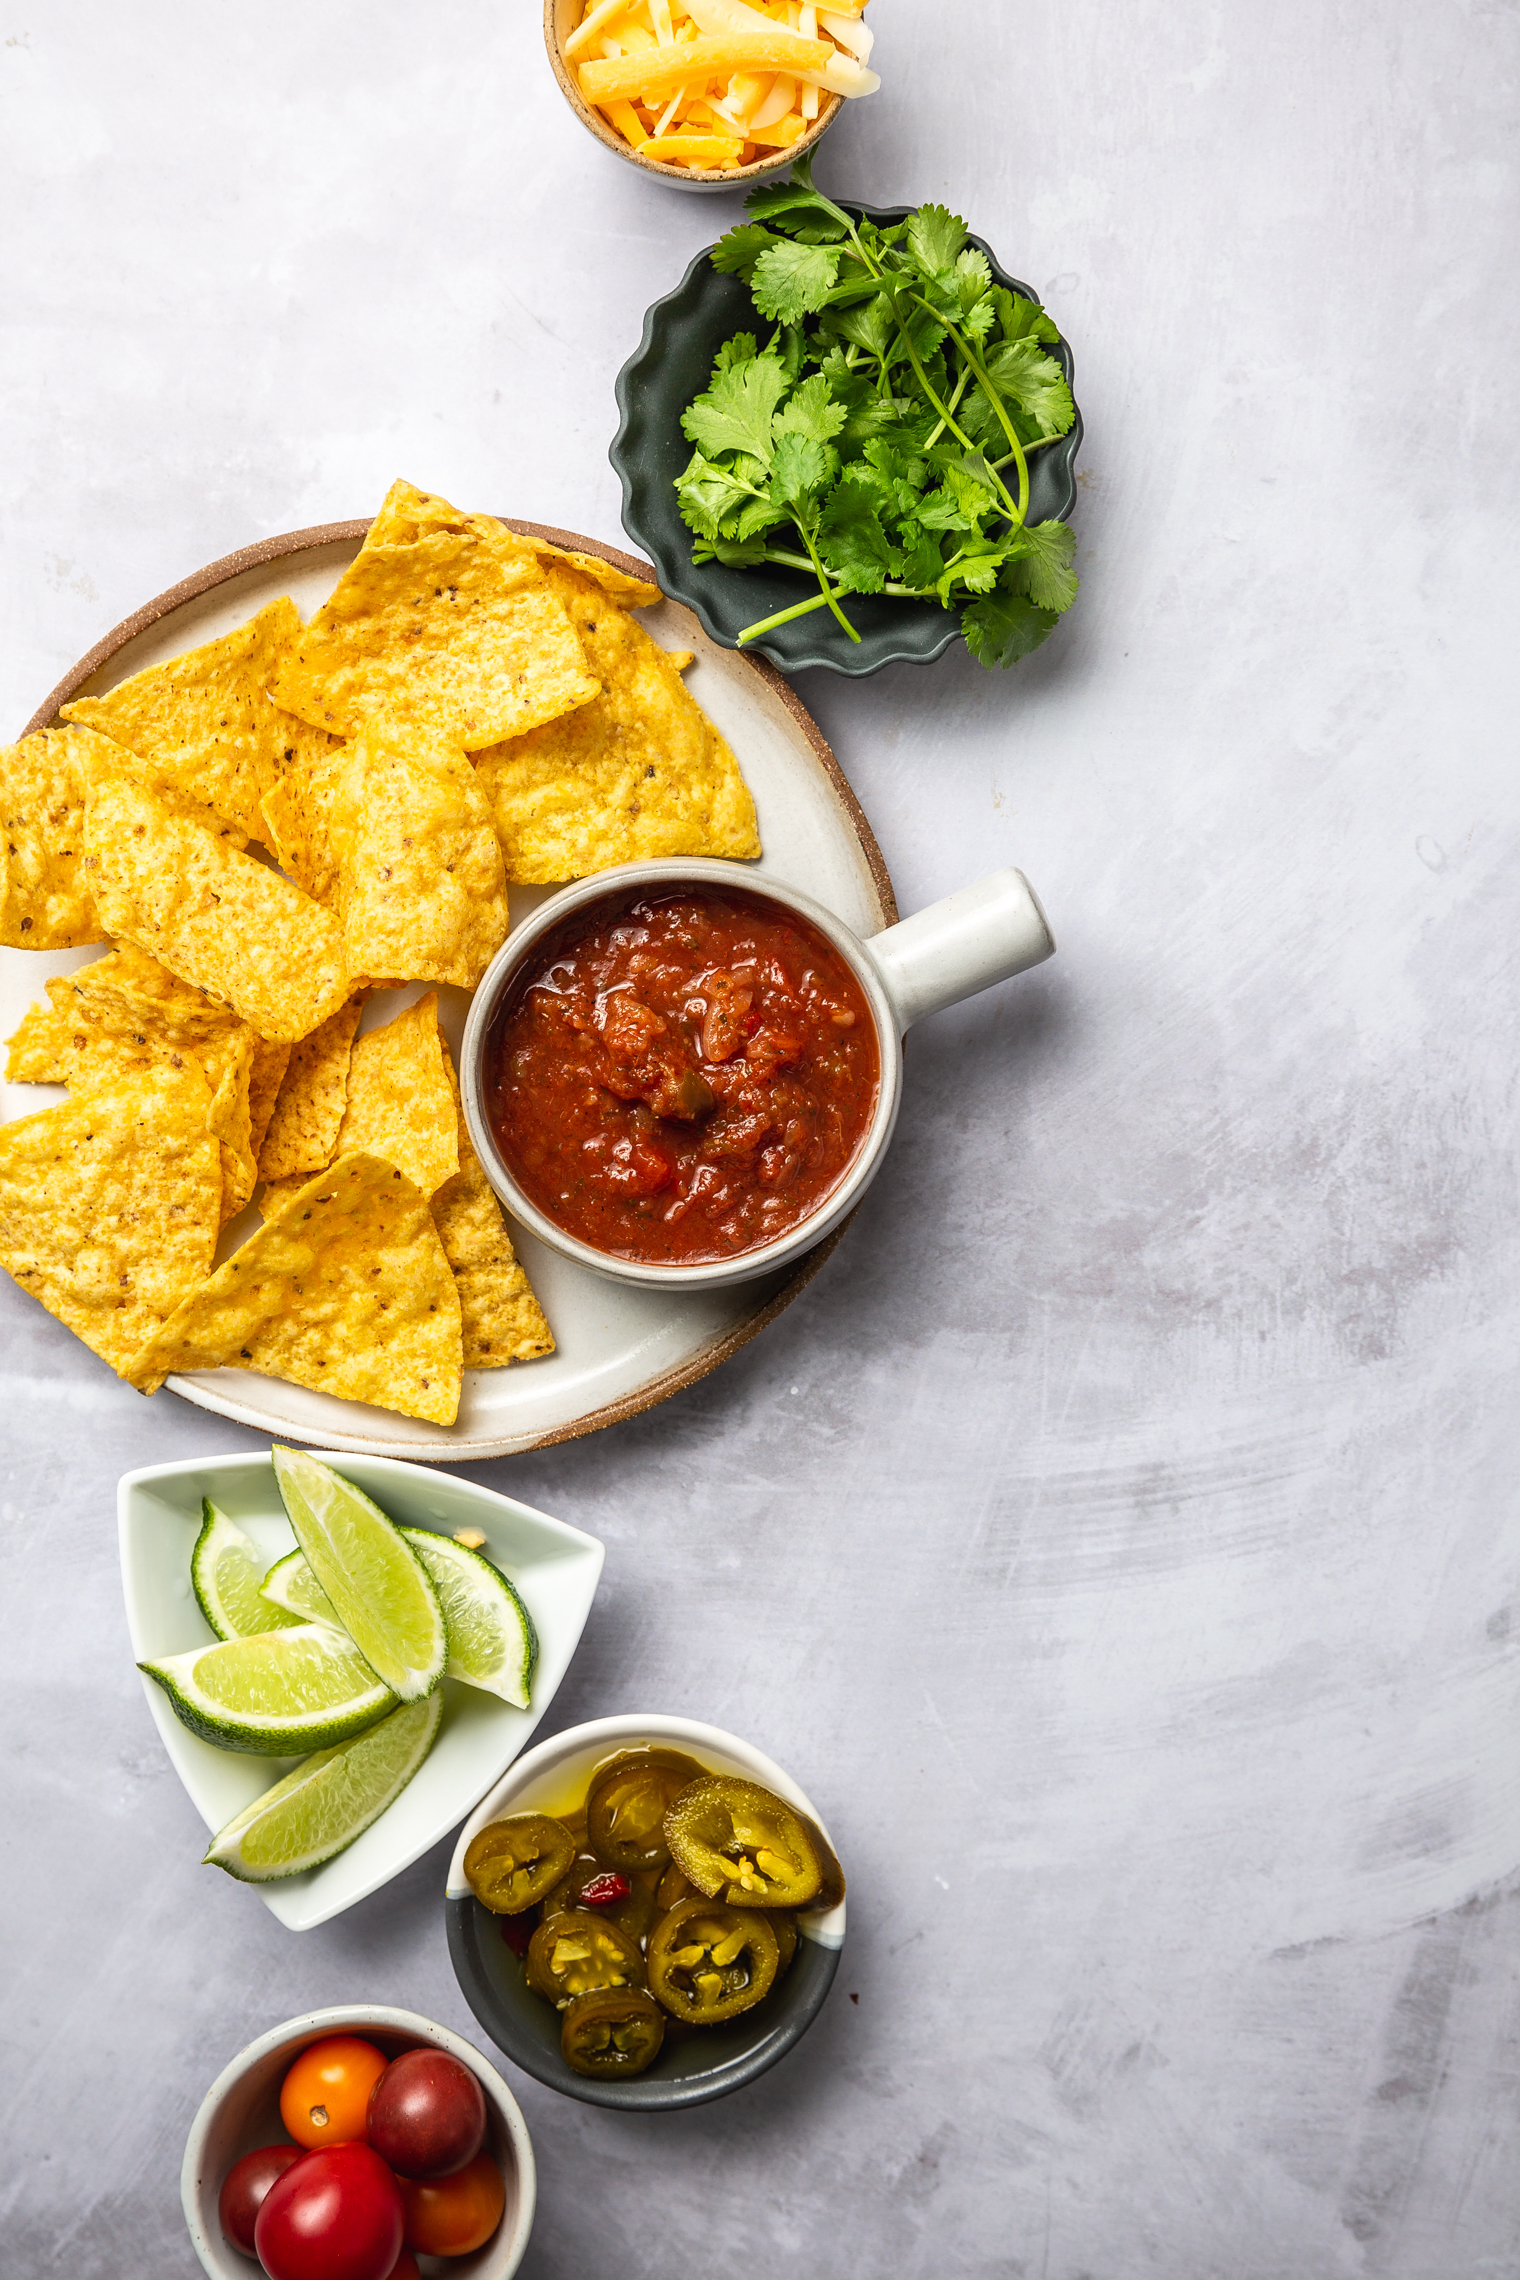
[880,439]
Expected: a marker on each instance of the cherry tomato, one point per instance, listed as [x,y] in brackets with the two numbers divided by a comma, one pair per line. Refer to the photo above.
[244,2187]
[406,2267]
[335,2215]
[449,2216]
[325,2097]
[427,2114]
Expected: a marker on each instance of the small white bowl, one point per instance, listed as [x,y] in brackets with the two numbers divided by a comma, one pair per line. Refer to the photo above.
[241,2111]
[556,1568]
[688,2073]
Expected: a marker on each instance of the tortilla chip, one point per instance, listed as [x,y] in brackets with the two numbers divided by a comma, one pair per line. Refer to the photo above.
[265,1078]
[420,889]
[203,723]
[501,1320]
[37,1051]
[302,1134]
[218,919]
[346,1290]
[637,774]
[445,618]
[45,901]
[128,991]
[297,812]
[400,1105]
[109,1205]
[628,593]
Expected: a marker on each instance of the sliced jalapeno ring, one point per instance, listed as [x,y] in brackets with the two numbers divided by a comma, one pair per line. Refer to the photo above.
[626,1806]
[512,1864]
[613,2032]
[744,1844]
[578,1953]
[708,1962]
[674,1885]
[784,1925]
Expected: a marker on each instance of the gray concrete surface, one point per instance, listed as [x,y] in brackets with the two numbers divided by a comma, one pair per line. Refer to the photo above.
[1120,1539]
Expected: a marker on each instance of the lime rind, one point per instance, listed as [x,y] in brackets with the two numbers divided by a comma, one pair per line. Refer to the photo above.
[317,1811]
[290,1584]
[492,1641]
[276,1694]
[381,1592]
[225,1570]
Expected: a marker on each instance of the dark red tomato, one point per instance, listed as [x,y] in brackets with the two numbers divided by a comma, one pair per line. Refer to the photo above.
[244,2187]
[682,1077]
[427,2114]
[336,2214]
[406,2267]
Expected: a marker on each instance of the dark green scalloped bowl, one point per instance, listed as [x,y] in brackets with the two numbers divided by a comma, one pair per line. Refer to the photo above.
[673,363]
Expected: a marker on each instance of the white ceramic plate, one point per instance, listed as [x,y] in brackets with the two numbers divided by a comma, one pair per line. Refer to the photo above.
[619,1349]
[555,1568]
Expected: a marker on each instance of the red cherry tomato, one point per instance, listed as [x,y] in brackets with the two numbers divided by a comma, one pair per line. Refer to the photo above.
[325,2096]
[244,2187]
[335,2215]
[450,2216]
[427,2114]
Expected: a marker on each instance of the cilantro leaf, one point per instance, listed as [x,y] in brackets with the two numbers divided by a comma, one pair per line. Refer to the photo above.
[1021,319]
[707,494]
[735,254]
[935,237]
[924,565]
[1042,567]
[811,411]
[853,543]
[870,327]
[1033,383]
[736,412]
[742,349]
[801,469]
[1003,627]
[790,281]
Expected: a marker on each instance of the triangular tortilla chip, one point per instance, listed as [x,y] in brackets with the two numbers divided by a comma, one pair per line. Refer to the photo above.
[347,1290]
[445,617]
[302,1134]
[109,1205]
[203,723]
[37,1051]
[400,1104]
[297,815]
[637,774]
[45,901]
[629,593]
[420,894]
[501,1320]
[216,918]
[270,1063]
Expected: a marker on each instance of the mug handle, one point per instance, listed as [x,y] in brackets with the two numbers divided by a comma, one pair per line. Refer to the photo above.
[972,939]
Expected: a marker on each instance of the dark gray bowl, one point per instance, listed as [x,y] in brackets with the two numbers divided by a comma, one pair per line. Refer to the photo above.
[689,2072]
[673,363]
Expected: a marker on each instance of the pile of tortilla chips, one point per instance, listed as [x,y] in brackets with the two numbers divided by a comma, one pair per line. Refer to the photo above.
[264,831]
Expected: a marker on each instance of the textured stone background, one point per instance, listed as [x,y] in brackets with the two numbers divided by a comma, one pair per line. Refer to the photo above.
[1120,1538]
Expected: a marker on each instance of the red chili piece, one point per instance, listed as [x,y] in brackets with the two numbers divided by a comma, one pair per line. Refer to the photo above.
[602,1891]
[518,1931]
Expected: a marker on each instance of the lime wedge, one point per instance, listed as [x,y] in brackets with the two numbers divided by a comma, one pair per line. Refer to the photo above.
[327,1802]
[225,1569]
[492,1642]
[290,1584]
[380,1590]
[276,1694]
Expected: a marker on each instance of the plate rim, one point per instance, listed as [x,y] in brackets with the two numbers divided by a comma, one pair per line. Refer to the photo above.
[222,572]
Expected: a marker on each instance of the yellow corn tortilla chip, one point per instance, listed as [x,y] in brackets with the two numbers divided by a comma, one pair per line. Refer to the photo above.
[216,918]
[446,618]
[203,724]
[639,773]
[127,991]
[98,1060]
[109,1205]
[302,1134]
[421,894]
[297,812]
[45,901]
[347,1290]
[501,1320]
[37,1051]
[265,1078]
[628,593]
[400,1105]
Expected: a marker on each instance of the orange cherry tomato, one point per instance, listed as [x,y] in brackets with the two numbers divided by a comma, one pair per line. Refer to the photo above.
[325,2097]
[450,2216]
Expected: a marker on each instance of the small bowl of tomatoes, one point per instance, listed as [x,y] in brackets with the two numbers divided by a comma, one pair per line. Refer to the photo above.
[359,2144]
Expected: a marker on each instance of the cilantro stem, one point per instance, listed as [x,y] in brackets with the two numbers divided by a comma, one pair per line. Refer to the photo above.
[823,580]
[1038,444]
[947,417]
[961,386]
[993,397]
[784,617]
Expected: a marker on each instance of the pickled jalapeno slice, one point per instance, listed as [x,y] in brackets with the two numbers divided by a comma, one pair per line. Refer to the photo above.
[784,1925]
[512,1864]
[674,1885]
[744,1844]
[708,1962]
[613,2032]
[578,1953]
[627,1803]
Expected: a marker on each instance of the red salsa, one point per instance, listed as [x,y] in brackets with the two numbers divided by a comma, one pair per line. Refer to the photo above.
[684,1076]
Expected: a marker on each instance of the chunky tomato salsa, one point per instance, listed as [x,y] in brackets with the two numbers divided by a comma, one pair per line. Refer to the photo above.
[684,1076]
